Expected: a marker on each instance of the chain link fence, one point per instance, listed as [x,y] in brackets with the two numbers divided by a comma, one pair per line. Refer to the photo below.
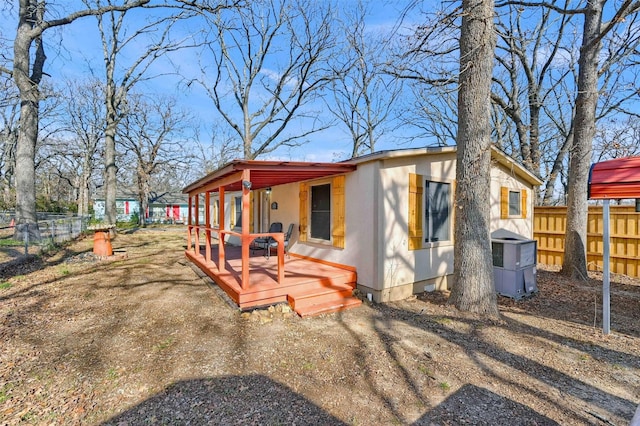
[52,229]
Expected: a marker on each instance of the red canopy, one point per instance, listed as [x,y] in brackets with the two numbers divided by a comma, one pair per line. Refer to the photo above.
[615,179]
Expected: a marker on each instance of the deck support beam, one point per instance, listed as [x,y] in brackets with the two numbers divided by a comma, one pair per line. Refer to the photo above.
[246,237]
[189,223]
[221,259]
[197,214]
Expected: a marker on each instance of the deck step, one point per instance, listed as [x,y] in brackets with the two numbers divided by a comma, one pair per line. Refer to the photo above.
[315,301]
[309,296]
[336,305]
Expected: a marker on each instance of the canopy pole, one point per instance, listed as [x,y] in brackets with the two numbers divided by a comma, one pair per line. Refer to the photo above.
[606,310]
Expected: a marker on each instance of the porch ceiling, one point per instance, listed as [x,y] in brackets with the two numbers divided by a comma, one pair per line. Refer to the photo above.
[265,174]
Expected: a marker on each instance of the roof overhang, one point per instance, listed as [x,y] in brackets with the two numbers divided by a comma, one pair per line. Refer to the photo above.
[615,179]
[264,174]
[514,166]
[497,156]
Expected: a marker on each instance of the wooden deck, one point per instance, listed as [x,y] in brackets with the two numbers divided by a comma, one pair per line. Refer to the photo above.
[310,287]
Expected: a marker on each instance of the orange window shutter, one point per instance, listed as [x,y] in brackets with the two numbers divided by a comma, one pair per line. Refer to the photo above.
[504,202]
[304,208]
[251,211]
[523,200]
[338,211]
[416,189]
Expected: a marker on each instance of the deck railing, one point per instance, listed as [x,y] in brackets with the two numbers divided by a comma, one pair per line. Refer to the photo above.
[193,242]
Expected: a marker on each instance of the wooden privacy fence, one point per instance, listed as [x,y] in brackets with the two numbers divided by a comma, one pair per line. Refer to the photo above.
[549,227]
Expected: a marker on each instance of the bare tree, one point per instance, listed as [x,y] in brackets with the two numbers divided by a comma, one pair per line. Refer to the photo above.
[221,149]
[154,35]
[269,64]
[575,250]
[9,113]
[364,96]
[28,70]
[426,59]
[57,178]
[150,129]
[617,140]
[473,288]
[528,56]
[537,89]
[85,112]
[534,90]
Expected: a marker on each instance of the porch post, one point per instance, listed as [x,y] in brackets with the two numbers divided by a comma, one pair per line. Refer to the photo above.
[189,224]
[280,240]
[221,258]
[207,219]
[197,214]
[246,205]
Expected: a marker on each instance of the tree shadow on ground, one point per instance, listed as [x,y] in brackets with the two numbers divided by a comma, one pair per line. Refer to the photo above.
[251,399]
[456,410]
[601,403]
[257,399]
[23,264]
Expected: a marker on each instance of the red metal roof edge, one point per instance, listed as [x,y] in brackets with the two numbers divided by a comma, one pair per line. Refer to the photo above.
[615,179]
[618,163]
[239,165]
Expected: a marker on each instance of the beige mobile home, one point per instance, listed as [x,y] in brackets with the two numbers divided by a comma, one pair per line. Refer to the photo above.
[386,218]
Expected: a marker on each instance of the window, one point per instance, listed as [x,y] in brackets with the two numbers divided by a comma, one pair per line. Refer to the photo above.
[429,215]
[237,210]
[321,212]
[514,203]
[437,211]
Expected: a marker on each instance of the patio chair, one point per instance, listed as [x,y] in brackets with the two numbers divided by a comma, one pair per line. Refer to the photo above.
[274,243]
[263,242]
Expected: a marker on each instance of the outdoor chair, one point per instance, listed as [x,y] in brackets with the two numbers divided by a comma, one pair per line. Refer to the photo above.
[262,243]
[274,243]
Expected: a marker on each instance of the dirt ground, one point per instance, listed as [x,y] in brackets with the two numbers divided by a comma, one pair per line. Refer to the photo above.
[144,340]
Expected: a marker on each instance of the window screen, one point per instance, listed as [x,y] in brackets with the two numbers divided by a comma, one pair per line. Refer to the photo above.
[437,211]
[321,212]
[514,203]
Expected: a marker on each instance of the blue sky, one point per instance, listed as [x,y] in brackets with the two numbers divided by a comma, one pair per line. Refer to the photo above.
[81,52]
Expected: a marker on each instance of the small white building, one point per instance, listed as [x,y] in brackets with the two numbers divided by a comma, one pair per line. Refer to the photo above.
[390,217]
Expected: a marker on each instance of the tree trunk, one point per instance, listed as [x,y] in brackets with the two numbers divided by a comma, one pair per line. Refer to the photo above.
[110,213]
[555,171]
[575,250]
[83,198]
[143,193]
[144,205]
[9,167]
[28,135]
[474,289]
